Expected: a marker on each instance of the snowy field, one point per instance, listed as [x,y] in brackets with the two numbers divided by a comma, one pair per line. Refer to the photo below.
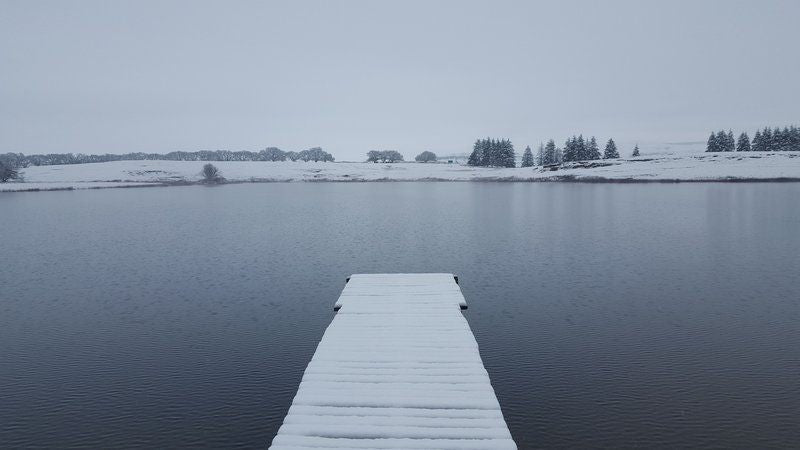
[677,167]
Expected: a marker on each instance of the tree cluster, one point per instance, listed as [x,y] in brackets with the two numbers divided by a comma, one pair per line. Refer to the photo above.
[14,160]
[549,154]
[425,156]
[777,140]
[492,153]
[580,149]
[576,148]
[315,154]
[721,142]
[384,156]
[269,154]
[766,140]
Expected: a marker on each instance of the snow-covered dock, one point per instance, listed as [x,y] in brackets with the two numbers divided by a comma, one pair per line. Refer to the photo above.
[398,367]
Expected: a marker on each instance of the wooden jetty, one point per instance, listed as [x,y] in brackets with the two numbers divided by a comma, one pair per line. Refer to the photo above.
[398,367]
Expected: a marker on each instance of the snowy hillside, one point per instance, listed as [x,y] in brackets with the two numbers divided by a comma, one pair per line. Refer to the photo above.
[671,167]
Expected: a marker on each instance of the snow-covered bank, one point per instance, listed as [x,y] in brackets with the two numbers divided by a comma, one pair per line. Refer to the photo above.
[694,167]
[70,185]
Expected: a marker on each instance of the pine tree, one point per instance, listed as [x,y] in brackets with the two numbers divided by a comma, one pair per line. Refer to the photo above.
[506,155]
[581,152]
[492,152]
[550,153]
[758,142]
[766,135]
[497,154]
[784,143]
[592,150]
[794,138]
[743,144]
[777,139]
[730,142]
[569,149]
[489,153]
[790,137]
[476,157]
[712,145]
[527,157]
[540,155]
[611,150]
[635,151]
[486,152]
[721,141]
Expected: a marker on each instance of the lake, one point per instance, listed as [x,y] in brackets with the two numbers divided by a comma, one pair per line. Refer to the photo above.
[608,315]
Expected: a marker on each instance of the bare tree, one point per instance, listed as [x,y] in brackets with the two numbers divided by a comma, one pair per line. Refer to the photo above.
[426,156]
[373,156]
[386,156]
[392,156]
[272,154]
[315,154]
[7,172]
[211,174]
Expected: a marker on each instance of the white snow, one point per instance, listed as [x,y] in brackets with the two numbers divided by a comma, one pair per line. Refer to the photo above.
[664,167]
[398,367]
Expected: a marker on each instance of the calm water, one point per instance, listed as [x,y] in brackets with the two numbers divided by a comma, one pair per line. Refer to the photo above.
[607,315]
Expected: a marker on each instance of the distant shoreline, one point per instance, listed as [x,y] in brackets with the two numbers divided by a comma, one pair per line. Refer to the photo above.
[737,167]
[77,187]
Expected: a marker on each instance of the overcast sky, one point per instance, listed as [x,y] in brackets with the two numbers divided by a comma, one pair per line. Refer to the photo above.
[157,76]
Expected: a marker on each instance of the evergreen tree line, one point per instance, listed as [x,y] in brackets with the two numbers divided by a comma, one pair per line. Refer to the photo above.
[500,153]
[269,154]
[549,154]
[766,140]
[577,148]
[492,153]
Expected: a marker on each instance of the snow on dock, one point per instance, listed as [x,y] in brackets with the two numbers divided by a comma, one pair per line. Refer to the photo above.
[397,368]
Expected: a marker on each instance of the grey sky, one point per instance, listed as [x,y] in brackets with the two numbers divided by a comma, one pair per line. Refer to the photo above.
[113,76]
